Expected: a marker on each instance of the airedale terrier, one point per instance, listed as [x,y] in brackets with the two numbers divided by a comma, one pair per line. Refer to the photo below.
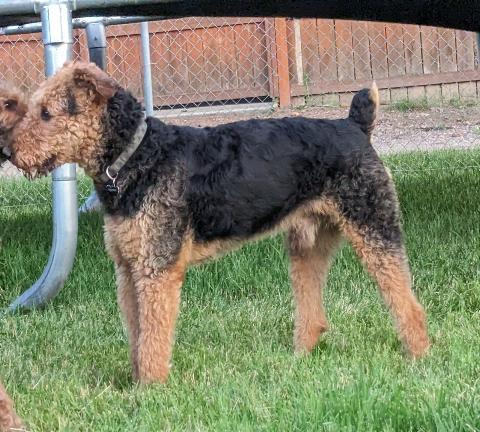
[12,108]
[175,196]
[9,421]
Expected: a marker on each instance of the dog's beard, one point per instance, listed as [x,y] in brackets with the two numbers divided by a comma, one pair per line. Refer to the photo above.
[38,171]
[5,152]
[42,170]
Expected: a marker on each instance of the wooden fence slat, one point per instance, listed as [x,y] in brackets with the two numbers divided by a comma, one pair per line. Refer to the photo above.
[297,64]
[195,60]
[228,60]
[213,79]
[309,52]
[271,57]
[395,50]
[178,63]
[465,50]
[361,50]
[431,60]
[243,56]
[260,58]
[413,49]
[282,62]
[162,72]
[378,50]
[446,45]
[290,35]
[326,50]
[344,48]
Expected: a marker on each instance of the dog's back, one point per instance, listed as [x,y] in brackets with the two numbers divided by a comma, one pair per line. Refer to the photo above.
[246,176]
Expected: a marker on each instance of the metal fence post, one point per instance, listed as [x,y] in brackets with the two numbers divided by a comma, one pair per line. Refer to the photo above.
[478,49]
[97,52]
[58,40]
[97,44]
[147,69]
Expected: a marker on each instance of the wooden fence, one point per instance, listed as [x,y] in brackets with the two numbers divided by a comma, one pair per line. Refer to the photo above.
[338,57]
[198,60]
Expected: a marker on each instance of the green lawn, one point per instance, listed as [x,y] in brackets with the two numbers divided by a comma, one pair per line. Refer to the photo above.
[67,365]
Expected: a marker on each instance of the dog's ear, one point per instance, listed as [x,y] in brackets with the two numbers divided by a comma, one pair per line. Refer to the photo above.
[90,75]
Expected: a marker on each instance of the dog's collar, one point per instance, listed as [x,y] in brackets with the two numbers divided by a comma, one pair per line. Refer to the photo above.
[109,177]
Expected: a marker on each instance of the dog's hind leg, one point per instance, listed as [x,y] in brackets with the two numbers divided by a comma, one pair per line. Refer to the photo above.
[369,219]
[390,270]
[311,246]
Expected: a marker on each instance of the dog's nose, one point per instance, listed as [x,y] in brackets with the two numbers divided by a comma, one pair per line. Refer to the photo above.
[6,152]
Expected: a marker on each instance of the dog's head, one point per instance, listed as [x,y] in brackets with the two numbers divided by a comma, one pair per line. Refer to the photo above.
[63,122]
[12,109]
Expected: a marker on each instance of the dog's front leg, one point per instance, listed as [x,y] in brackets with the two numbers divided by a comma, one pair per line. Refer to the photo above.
[158,296]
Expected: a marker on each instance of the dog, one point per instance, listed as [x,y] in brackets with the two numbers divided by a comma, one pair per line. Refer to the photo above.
[175,196]
[12,108]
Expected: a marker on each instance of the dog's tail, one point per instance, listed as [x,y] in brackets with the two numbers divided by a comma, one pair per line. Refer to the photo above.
[364,107]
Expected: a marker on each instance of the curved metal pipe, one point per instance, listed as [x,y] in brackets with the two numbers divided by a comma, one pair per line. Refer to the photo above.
[57,37]
[64,242]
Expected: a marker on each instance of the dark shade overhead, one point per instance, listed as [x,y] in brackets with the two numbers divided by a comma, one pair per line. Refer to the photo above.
[460,14]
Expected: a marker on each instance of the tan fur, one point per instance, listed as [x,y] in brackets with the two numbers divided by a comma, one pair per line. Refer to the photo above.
[392,274]
[308,270]
[374,95]
[9,118]
[149,300]
[75,136]
[9,421]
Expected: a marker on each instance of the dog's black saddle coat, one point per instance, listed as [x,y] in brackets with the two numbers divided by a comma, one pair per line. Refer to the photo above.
[241,178]
[245,176]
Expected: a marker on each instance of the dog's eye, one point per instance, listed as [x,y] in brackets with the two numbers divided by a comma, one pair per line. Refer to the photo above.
[45,114]
[10,104]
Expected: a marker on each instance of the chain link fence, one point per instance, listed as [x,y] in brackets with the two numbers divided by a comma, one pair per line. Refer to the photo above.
[218,67]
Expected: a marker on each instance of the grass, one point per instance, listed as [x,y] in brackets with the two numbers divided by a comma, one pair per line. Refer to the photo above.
[405,105]
[424,104]
[67,367]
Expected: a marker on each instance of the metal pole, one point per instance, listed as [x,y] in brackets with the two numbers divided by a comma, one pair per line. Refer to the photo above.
[97,44]
[478,49]
[78,23]
[97,51]
[147,69]
[58,40]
